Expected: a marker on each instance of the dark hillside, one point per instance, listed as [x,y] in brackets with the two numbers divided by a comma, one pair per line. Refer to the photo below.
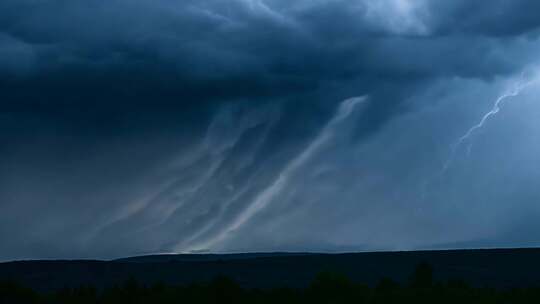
[498,268]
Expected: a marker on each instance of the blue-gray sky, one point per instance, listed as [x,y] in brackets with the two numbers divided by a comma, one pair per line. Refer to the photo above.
[131,126]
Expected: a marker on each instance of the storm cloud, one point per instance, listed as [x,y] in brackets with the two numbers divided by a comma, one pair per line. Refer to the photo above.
[131,127]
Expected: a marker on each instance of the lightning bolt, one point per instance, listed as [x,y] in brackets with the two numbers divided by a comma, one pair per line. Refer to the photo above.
[521,84]
[514,91]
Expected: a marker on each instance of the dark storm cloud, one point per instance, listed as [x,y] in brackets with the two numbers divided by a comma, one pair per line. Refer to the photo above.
[165,55]
[500,18]
[166,119]
[215,50]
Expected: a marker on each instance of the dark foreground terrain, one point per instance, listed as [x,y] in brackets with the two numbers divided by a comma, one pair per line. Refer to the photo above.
[470,276]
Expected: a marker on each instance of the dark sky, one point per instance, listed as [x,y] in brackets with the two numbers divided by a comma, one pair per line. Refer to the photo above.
[133,126]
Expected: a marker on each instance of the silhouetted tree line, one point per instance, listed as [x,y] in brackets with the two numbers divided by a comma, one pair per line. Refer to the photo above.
[327,287]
